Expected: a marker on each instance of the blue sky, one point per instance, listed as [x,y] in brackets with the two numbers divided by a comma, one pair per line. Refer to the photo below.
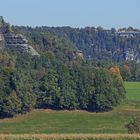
[75,13]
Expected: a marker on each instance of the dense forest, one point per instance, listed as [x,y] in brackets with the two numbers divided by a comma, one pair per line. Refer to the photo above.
[99,46]
[48,82]
[60,77]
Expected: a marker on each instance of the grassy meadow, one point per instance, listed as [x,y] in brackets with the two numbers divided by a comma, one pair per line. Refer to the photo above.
[133,90]
[76,122]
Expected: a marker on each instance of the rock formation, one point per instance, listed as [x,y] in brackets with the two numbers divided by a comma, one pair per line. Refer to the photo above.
[12,41]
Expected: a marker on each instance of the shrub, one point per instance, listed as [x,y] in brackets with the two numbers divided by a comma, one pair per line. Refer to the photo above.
[134,126]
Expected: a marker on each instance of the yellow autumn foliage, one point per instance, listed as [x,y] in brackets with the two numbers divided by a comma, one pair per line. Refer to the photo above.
[116,71]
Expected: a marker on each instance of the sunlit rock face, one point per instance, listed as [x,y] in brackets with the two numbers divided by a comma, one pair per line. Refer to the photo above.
[12,41]
[132,55]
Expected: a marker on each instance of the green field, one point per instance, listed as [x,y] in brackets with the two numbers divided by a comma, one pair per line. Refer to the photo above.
[48,121]
[133,90]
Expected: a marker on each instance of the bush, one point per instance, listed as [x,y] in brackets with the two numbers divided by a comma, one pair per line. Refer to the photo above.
[134,126]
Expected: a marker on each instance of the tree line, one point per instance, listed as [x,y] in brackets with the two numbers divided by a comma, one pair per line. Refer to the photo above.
[102,47]
[58,79]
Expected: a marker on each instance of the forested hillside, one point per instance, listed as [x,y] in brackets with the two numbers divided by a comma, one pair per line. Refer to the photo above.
[98,43]
[57,76]
[99,46]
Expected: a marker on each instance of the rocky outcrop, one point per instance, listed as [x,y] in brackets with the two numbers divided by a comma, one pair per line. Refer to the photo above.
[2,42]
[14,42]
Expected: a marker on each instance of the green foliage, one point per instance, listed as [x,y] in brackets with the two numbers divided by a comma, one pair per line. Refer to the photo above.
[106,91]
[42,121]
[12,105]
[50,92]
[134,126]
[60,78]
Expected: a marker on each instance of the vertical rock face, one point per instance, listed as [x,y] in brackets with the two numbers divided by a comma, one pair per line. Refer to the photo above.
[1,21]
[14,42]
[132,55]
[2,42]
